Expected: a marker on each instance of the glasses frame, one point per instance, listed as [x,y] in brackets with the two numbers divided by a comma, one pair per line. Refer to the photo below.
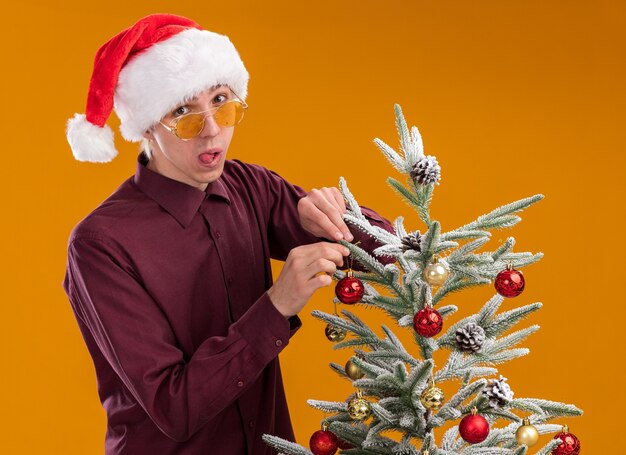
[172,124]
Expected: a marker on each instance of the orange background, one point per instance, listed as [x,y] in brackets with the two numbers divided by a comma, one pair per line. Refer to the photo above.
[514,98]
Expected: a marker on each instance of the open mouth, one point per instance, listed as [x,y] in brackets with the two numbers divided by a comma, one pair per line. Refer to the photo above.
[209,158]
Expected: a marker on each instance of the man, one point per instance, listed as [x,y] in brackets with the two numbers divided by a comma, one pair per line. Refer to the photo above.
[170,278]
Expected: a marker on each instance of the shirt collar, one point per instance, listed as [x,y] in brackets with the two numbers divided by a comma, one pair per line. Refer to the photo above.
[180,200]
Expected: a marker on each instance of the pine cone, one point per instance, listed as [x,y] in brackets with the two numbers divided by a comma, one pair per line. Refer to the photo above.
[426,171]
[412,241]
[498,392]
[470,338]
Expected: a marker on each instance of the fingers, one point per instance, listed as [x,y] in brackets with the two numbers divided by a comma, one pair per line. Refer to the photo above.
[339,198]
[330,196]
[307,254]
[317,282]
[307,268]
[326,212]
[327,226]
[320,265]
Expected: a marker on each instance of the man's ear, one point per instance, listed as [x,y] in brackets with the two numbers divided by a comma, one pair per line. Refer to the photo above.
[149,134]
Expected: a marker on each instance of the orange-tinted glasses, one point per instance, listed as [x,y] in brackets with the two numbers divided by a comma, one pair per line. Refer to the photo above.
[188,126]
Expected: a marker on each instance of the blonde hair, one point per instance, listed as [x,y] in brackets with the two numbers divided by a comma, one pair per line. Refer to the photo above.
[145,147]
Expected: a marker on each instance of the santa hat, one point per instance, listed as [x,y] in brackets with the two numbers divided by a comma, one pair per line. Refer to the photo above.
[146,71]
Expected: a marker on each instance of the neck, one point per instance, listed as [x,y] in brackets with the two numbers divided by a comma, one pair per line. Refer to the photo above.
[153,165]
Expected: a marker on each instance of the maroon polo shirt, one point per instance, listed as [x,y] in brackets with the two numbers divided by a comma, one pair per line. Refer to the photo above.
[168,285]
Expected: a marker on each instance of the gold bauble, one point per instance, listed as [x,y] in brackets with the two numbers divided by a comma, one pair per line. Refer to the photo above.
[527,434]
[353,371]
[359,408]
[435,273]
[432,398]
[334,333]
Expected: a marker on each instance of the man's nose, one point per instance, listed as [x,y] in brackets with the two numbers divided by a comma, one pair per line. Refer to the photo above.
[211,128]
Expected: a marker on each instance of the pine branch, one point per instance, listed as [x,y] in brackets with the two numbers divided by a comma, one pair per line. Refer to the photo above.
[350,432]
[549,447]
[424,196]
[455,285]
[286,447]
[399,227]
[489,309]
[358,328]
[503,249]
[465,393]
[418,145]
[352,205]
[420,204]
[427,345]
[393,157]
[497,413]
[400,371]
[461,235]
[447,310]
[393,356]
[340,370]
[370,369]
[503,356]
[500,344]
[328,406]
[467,248]
[501,217]
[394,307]
[418,378]
[357,342]
[383,415]
[429,241]
[428,442]
[406,144]
[508,319]
[544,408]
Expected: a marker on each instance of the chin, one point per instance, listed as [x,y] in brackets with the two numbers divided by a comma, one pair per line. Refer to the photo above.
[212,174]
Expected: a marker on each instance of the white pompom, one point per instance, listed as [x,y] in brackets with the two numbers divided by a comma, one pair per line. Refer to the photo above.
[90,142]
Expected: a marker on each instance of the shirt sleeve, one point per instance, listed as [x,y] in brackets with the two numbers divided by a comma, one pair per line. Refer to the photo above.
[134,336]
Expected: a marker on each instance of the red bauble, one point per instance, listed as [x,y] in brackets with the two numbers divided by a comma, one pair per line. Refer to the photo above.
[570,445]
[509,283]
[474,428]
[349,290]
[428,322]
[323,443]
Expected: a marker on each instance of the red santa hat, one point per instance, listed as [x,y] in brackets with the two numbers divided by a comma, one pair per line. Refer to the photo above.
[146,71]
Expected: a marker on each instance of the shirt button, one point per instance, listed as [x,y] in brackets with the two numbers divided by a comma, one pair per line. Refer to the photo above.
[279,343]
[230,281]
[251,423]
[240,384]
[217,234]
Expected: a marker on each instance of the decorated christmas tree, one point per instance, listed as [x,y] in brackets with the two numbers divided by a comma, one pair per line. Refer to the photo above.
[397,389]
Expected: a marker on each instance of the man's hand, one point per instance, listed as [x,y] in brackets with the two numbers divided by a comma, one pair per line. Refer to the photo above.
[320,213]
[301,277]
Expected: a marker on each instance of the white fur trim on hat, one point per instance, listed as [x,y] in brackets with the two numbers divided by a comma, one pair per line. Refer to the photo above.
[169,72]
[90,142]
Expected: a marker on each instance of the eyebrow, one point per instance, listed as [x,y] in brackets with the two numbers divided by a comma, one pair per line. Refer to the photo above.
[212,89]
